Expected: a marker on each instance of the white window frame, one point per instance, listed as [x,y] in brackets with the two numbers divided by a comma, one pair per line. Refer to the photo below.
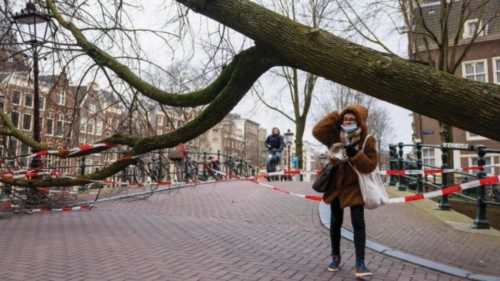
[91,126]
[486,170]
[98,128]
[83,125]
[20,97]
[32,100]
[496,78]
[31,122]
[42,101]
[60,119]
[50,116]
[433,157]
[61,98]
[472,137]
[467,32]
[464,74]
[18,118]
[92,108]
[159,120]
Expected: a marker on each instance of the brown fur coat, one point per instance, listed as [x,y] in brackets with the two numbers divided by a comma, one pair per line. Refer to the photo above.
[328,132]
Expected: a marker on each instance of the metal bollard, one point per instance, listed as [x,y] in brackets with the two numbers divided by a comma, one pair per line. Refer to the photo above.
[82,171]
[418,146]
[402,181]
[481,222]
[443,204]
[393,158]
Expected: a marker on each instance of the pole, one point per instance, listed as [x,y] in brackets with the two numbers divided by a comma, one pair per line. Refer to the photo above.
[36,161]
[402,181]
[443,203]
[481,222]
[420,189]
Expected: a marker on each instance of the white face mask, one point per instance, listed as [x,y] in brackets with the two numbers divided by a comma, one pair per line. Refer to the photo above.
[350,128]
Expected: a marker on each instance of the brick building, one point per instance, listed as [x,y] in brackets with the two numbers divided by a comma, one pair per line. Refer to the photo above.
[473,53]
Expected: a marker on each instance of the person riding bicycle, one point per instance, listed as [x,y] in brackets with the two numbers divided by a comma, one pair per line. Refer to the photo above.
[275,143]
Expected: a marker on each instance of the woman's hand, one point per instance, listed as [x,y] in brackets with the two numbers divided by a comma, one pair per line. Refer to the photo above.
[350,150]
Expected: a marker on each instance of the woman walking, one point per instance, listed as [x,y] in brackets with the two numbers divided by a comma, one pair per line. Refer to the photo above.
[344,133]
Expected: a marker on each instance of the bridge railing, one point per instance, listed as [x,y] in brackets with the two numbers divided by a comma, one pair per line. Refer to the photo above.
[423,182]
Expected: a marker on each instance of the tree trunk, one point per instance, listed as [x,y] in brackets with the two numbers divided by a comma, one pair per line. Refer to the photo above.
[469,105]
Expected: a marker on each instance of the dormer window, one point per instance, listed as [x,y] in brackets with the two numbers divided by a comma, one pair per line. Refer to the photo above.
[472,26]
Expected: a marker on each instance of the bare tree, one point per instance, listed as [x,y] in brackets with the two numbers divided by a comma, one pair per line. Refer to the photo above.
[279,41]
[299,85]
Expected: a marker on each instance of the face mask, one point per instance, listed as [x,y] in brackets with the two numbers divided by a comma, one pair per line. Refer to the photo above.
[350,128]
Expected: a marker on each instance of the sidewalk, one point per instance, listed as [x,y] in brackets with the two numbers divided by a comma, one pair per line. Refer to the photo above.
[418,229]
[225,231]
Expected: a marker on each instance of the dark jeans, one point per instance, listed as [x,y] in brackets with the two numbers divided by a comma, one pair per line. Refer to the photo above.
[358,224]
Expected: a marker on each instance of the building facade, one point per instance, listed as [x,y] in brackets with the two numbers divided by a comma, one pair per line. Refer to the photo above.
[473,53]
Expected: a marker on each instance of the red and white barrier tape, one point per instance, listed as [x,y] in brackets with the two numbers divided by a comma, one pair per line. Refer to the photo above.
[71,151]
[40,210]
[446,190]
[305,196]
[434,171]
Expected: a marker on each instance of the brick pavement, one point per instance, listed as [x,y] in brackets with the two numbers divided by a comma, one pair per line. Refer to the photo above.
[227,231]
[412,230]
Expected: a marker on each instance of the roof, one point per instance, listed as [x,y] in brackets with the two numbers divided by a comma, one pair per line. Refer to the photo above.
[431,12]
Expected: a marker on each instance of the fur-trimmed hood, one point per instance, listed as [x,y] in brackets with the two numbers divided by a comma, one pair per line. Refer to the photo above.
[361,114]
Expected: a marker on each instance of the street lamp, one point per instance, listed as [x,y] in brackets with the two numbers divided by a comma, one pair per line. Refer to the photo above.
[33,26]
[289,139]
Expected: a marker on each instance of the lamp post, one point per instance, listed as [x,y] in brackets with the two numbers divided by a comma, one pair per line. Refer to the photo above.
[32,26]
[289,139]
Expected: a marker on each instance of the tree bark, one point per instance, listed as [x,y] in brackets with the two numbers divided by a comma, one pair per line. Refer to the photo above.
[469,105]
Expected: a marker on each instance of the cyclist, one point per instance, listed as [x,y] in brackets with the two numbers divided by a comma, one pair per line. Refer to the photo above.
[275,143]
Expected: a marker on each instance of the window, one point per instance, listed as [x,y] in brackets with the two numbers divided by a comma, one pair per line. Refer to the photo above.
[83,124]
[14,117]
[471,136]
[91,108]
[160,120]
[50,124]
[496,70]
[61,98]
[60,126]
[487,162]
[159,132]
[25,149]
[28,100]
[428,156]
[12,147]
[475,70]
[42,103]
[90,126]
[27,122]
[472,26]
[98,128]
[16,97]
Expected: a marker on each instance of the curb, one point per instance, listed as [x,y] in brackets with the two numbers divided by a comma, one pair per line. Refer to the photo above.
[324,215]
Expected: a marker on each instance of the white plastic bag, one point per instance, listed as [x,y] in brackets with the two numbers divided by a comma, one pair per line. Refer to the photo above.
[372,187]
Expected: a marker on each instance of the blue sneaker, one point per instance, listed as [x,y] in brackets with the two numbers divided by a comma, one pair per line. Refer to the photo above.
[361,269]
[335,264]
